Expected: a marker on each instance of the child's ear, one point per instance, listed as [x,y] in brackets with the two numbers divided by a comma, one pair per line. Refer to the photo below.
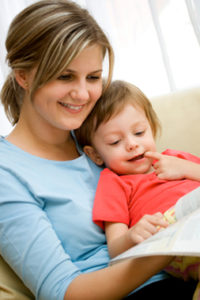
[93,155]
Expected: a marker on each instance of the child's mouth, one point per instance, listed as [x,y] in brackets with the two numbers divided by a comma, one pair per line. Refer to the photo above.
[137,157]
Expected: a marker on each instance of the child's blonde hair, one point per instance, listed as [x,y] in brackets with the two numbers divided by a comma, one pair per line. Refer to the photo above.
[48,35]
[112,102]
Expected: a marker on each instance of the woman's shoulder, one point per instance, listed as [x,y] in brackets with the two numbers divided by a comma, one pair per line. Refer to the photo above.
[5,148]
[11,153]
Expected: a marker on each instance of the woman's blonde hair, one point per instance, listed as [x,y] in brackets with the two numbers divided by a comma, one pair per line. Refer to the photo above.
[111,103]
[48,34]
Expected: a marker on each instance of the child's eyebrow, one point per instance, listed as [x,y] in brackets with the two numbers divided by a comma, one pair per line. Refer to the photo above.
[135,124]
[114,132]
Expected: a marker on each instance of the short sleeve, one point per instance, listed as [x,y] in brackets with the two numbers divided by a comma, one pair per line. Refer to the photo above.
[111,199]
[183,155]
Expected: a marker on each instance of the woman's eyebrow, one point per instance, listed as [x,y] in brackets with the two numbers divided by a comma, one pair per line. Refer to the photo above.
[97,71]
[74,71]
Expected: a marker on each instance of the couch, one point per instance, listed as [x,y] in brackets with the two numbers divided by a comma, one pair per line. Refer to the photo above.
[179,113]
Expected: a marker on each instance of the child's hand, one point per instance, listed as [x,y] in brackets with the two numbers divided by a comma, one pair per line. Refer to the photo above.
[168,167]
[147,226]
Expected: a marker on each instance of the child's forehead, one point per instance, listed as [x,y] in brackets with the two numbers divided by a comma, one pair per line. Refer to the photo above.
[129,116]
[126,107]
[115,110]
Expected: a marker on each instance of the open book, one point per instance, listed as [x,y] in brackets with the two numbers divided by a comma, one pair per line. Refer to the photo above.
[181,238]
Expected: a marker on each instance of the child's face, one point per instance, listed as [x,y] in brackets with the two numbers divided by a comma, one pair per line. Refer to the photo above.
[122,141]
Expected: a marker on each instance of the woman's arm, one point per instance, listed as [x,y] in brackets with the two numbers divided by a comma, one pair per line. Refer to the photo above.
[29,243]
[116,281]
[120,238]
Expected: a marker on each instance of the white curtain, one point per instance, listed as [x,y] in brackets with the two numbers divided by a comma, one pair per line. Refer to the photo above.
[194,13]
[156,42]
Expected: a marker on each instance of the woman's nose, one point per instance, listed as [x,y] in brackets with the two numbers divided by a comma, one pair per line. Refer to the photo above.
[80,92]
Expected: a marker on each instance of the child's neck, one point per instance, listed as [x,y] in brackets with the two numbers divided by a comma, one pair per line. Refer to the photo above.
[151,170]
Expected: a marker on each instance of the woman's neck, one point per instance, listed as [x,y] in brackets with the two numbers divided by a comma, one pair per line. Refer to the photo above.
[54,145]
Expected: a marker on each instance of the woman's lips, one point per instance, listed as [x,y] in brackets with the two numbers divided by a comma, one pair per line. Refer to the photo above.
[71,106]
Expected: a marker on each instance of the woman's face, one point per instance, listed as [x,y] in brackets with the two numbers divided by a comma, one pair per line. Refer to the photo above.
[64,103]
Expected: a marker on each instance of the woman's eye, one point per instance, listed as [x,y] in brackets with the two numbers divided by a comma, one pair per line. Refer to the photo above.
[93,77]
[65,77]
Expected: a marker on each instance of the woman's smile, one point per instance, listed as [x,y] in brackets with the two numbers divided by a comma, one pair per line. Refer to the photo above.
[71,107]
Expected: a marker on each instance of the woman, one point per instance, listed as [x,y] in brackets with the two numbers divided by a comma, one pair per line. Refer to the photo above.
[55,50]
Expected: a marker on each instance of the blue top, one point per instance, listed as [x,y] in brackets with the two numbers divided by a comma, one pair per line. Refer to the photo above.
[46,229]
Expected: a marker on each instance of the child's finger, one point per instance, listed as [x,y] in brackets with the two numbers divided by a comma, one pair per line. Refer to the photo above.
[160,220]
[156,219]
[154,155]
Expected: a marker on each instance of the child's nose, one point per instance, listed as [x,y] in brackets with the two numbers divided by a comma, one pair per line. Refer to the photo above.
[131,144]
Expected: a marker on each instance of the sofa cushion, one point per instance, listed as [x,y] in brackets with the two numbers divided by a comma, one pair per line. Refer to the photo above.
[179,113]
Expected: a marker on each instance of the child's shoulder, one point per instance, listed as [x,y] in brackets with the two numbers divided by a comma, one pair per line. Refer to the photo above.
[182,154]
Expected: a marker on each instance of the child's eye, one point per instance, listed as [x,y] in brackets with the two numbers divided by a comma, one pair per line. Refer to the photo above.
[138,133]
[114,143]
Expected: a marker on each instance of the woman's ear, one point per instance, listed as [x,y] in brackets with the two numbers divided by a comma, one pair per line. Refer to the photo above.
[93,155]
[21,78]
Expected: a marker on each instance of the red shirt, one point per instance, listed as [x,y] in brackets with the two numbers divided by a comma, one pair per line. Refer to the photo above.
[126,198]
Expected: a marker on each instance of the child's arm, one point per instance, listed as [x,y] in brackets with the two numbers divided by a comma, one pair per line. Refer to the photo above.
[172,168]
[120,238]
